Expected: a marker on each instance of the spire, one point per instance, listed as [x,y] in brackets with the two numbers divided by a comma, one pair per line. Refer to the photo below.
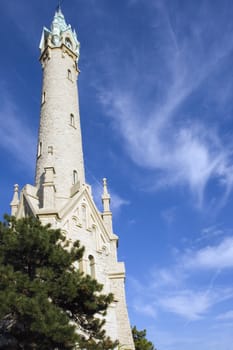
[15,200]
[60,33]
[58,25]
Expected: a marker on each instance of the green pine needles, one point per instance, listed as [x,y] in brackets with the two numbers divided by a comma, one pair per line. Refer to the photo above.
[45,302]
[140,340]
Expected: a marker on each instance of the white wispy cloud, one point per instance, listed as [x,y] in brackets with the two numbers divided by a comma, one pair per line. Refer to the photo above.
[210,232]
[144,309]
[117,201]
[160,136]
[168,277]
[172,288]
[187,303]
[15,136]
[226,316]
[211,257]
[194,304]
[190,304]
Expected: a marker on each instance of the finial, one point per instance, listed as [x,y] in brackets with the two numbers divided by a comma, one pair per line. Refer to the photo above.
[58,9]
[16,190]
[107,214]
[15,200]
[105,188]
[104,181]
[105,196]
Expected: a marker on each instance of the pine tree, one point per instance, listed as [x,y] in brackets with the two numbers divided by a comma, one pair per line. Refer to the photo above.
[140,341]
[46,303]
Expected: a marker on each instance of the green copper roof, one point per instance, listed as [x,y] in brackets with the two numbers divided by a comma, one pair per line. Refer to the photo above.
[59,29]
[59,21]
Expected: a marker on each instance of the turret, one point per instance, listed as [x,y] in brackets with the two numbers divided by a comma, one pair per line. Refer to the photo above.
[59,141]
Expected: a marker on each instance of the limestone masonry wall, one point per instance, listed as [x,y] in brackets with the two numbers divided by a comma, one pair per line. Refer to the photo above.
[59,141]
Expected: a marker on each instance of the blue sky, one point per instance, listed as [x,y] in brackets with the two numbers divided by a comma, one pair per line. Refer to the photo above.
[155,89]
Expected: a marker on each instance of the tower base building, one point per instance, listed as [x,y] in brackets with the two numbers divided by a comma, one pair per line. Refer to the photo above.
[60,195]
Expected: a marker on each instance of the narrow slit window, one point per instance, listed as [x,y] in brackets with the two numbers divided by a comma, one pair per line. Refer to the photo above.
[43,97]
[75,177]
[39,149]
[69,75]
[72,120]
[84,216]
[50,149]
[91,266]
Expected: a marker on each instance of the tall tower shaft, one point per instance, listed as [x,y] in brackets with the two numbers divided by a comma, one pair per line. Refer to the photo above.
[60,141]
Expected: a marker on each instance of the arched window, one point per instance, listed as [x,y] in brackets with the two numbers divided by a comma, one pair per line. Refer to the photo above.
[75,177]
[69,75]
[72,120]
[91,266]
